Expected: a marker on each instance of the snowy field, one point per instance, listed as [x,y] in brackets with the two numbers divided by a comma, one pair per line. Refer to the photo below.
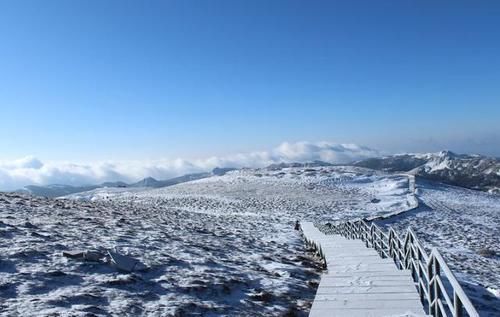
[199,264]
[284,195]
[224,245]
[465,226]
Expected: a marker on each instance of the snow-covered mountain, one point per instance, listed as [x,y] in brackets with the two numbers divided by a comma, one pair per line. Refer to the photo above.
[55,190]
[151,182]
[279,166]
[470,171]
[58,190]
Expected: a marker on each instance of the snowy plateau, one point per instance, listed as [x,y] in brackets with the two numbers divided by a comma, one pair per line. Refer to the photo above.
[224,245]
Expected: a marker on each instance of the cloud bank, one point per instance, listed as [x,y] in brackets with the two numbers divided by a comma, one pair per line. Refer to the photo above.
[30,170]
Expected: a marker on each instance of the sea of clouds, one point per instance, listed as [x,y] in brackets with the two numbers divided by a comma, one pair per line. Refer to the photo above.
[31,170]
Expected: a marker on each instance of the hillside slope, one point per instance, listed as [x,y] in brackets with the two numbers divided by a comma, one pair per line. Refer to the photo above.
[470,171]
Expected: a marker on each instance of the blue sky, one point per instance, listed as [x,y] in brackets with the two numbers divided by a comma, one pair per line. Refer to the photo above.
[106,80]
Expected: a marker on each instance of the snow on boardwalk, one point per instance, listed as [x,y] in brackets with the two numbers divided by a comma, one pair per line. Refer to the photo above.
[359,282]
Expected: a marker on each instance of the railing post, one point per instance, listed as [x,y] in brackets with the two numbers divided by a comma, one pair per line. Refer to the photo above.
[382,245]
[419,277]
[437,292]
[405,249]
[430,288]
[366,236]
[457,305]
[437,267]
[371,236]
[398,252]
[389,242]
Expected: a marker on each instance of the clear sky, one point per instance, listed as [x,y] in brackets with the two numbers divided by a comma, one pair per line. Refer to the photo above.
[100,80]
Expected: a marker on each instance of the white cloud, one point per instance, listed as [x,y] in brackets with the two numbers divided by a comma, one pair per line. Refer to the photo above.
[30,170]
[28,162]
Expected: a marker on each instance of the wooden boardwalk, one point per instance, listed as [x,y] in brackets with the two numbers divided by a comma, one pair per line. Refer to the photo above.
[358,282]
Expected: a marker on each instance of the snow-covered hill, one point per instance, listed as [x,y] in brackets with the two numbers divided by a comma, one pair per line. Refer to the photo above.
[289,193]
[55,190]
[470,171]
[58,190]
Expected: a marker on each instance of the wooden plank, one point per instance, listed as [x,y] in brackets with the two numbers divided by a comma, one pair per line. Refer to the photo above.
[368,273]
[356,282]
[373,296]
[366,289]
[364,279]
[367,257]
[363,270]
[360,264]
[412,304]
[328,312]
[359,254]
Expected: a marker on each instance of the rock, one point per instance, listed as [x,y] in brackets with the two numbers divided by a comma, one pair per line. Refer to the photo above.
[38,235]
[121,280]
[28,224]
[74,254]
[4,225]
[56,273]
[95,256]
[125,263]
[262,297]
[487,253]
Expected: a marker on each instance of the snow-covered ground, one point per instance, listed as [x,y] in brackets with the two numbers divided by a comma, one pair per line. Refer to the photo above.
[224,245]
[104,193]
[465,227]
[198,263]
[286,195]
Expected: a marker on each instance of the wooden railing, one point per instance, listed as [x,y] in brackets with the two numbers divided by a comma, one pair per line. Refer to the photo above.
[439,290]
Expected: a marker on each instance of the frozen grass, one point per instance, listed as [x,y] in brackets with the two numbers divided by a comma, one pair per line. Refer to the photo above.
[199,263]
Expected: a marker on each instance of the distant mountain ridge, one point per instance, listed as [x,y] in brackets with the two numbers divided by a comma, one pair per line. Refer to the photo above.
[470,171]
[151,182]
[279,166]
[57,190]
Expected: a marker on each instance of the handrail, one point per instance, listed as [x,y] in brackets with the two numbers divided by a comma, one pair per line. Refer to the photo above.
[427,270]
